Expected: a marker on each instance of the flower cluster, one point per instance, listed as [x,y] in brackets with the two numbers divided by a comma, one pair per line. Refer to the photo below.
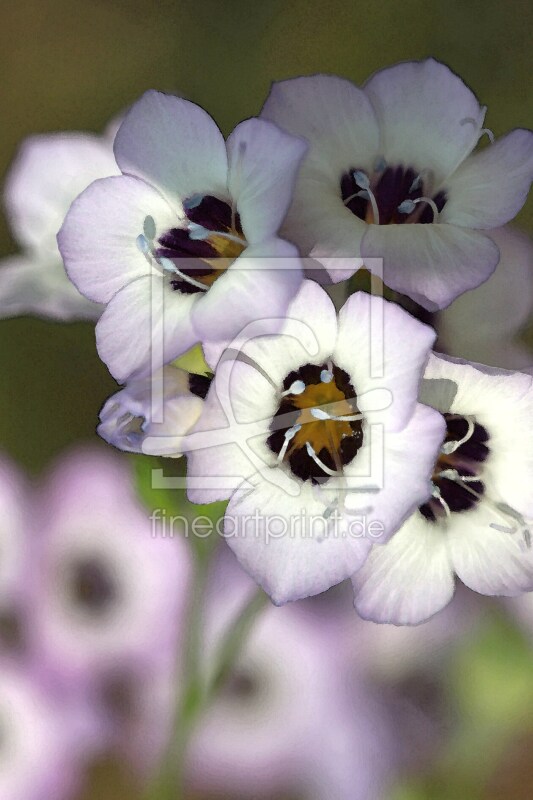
[345,446]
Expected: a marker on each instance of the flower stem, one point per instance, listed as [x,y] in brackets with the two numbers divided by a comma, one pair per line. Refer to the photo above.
[198,692]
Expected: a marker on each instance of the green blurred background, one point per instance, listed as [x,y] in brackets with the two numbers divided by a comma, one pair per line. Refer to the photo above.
[73,64]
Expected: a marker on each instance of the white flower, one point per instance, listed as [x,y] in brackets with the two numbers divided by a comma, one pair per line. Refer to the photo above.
[484,325]
[183,244]
[475,521]
[399,150]
[311,445]
[48,173]
[150,413]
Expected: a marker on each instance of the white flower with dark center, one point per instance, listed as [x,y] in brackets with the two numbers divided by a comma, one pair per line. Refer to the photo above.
[183,244]
[476,520]
[149,413]
[49,171]
[390,173]
[316,434]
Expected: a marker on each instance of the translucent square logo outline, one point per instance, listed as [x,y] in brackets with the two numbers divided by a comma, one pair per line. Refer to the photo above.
[225,435]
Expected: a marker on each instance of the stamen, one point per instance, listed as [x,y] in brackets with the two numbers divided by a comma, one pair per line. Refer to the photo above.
[198,232]
[169,266]
[450,447]
[487,132]
[326,376]
[149,229]
[502,510]
[143,244]
[320,413]
[408,206]
[435,492]
[296,387]
[192,202]
[289,435]
[416,184]
[362,180]
[380,164]
[231,237]
[311,452]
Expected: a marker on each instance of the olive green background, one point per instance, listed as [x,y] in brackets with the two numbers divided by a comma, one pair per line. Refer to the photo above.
[73,64]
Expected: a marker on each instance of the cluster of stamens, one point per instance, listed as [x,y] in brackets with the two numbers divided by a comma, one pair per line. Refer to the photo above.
[457,481]
[391,195]
[195,255]
[317,428]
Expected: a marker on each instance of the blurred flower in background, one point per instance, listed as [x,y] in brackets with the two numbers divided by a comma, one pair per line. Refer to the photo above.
[49,171]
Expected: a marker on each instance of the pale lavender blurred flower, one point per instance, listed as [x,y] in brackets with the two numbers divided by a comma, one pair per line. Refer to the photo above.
[43,743]
[283,447]
[49,171]
[292,717]
[15,544]
[145,242]
[109,594]
[484,324]
[399,150]
[475,523]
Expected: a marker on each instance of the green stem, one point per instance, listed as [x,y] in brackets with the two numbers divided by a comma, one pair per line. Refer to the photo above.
[198,693]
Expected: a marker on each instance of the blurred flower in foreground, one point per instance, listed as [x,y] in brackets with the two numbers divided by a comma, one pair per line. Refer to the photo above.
[399,150]
[188,234]
[483,325]
[291,716]
[42,745]
[49,171]
[109,597]
[14,550]
[476,522]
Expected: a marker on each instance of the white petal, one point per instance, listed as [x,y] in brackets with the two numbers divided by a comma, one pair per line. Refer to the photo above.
[145,326]
[382,346]
[487,560]
[336,118]
[407,580]
[500,307]
[286,546]
[98,240]
[263,162]
[48,173]
[256,290]
[429,118]
[491,187]
[174,145]
[433,264]
[307,335]
[399,466]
